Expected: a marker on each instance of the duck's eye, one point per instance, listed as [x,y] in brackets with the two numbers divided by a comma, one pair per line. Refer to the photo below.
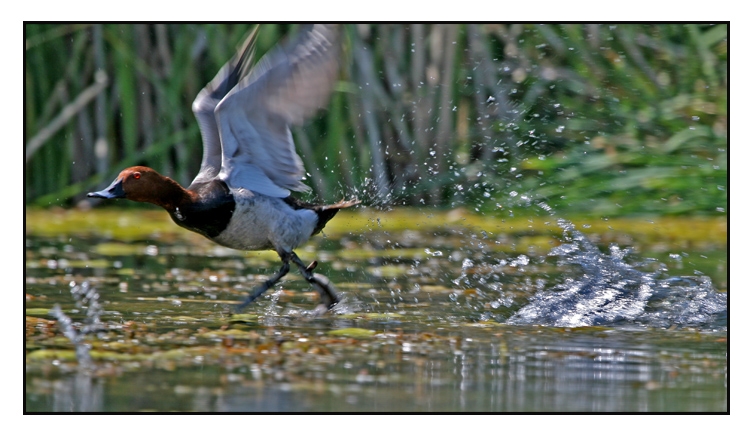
[137,175]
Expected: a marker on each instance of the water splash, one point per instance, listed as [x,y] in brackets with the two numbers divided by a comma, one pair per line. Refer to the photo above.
[65,324]
[610,291]
[88,298]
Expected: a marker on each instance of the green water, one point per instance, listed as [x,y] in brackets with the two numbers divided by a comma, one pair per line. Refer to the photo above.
[421,327]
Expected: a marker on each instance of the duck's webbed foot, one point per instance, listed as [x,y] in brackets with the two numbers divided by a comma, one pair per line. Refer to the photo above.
[323,285]
[268,284]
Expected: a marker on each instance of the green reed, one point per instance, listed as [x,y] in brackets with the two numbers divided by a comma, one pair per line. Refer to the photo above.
[603,119]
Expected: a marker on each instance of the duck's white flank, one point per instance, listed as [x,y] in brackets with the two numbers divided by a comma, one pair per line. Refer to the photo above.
[261,222]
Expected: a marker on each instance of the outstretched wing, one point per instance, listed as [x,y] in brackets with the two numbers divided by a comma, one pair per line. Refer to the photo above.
[205,104]
[287,86]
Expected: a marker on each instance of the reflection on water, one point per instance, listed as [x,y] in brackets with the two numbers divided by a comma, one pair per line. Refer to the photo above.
[439,320]
[544,373]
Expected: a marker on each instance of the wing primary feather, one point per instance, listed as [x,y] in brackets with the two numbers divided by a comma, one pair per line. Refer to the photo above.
[252,108]
[209,97]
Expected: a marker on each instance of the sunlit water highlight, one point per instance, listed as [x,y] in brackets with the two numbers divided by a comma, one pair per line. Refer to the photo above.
[608,291]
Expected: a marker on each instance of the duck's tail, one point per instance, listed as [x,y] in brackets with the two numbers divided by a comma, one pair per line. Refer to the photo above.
[324,211]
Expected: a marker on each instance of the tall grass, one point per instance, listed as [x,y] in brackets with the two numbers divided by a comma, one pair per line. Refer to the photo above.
[607,119]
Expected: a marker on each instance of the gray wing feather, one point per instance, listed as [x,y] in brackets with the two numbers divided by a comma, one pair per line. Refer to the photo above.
[205,104]
[288,85]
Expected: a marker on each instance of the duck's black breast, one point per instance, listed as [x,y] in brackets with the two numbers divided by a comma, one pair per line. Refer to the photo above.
[211,213]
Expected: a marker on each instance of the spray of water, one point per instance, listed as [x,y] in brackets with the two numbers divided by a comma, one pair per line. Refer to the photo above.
[609,291]
[87,298]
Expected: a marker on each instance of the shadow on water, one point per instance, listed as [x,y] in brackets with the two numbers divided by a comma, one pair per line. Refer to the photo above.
[441,312]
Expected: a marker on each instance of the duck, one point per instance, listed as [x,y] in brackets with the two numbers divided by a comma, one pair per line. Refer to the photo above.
[241,197]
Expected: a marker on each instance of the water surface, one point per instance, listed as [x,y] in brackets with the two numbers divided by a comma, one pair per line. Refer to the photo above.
[446,312]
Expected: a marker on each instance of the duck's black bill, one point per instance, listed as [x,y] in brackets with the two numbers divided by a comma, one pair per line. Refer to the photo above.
[113,191]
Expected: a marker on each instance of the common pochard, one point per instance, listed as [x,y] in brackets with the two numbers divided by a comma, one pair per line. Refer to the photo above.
[241,196]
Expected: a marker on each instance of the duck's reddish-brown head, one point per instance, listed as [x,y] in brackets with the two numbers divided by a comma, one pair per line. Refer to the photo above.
[145,185]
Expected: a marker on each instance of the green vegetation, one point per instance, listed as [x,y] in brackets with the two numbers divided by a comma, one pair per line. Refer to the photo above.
[592,119]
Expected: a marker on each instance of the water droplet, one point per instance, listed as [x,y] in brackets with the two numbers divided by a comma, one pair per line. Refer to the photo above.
[433,253]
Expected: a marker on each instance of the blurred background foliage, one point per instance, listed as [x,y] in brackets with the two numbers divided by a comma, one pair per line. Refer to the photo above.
[591,119]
